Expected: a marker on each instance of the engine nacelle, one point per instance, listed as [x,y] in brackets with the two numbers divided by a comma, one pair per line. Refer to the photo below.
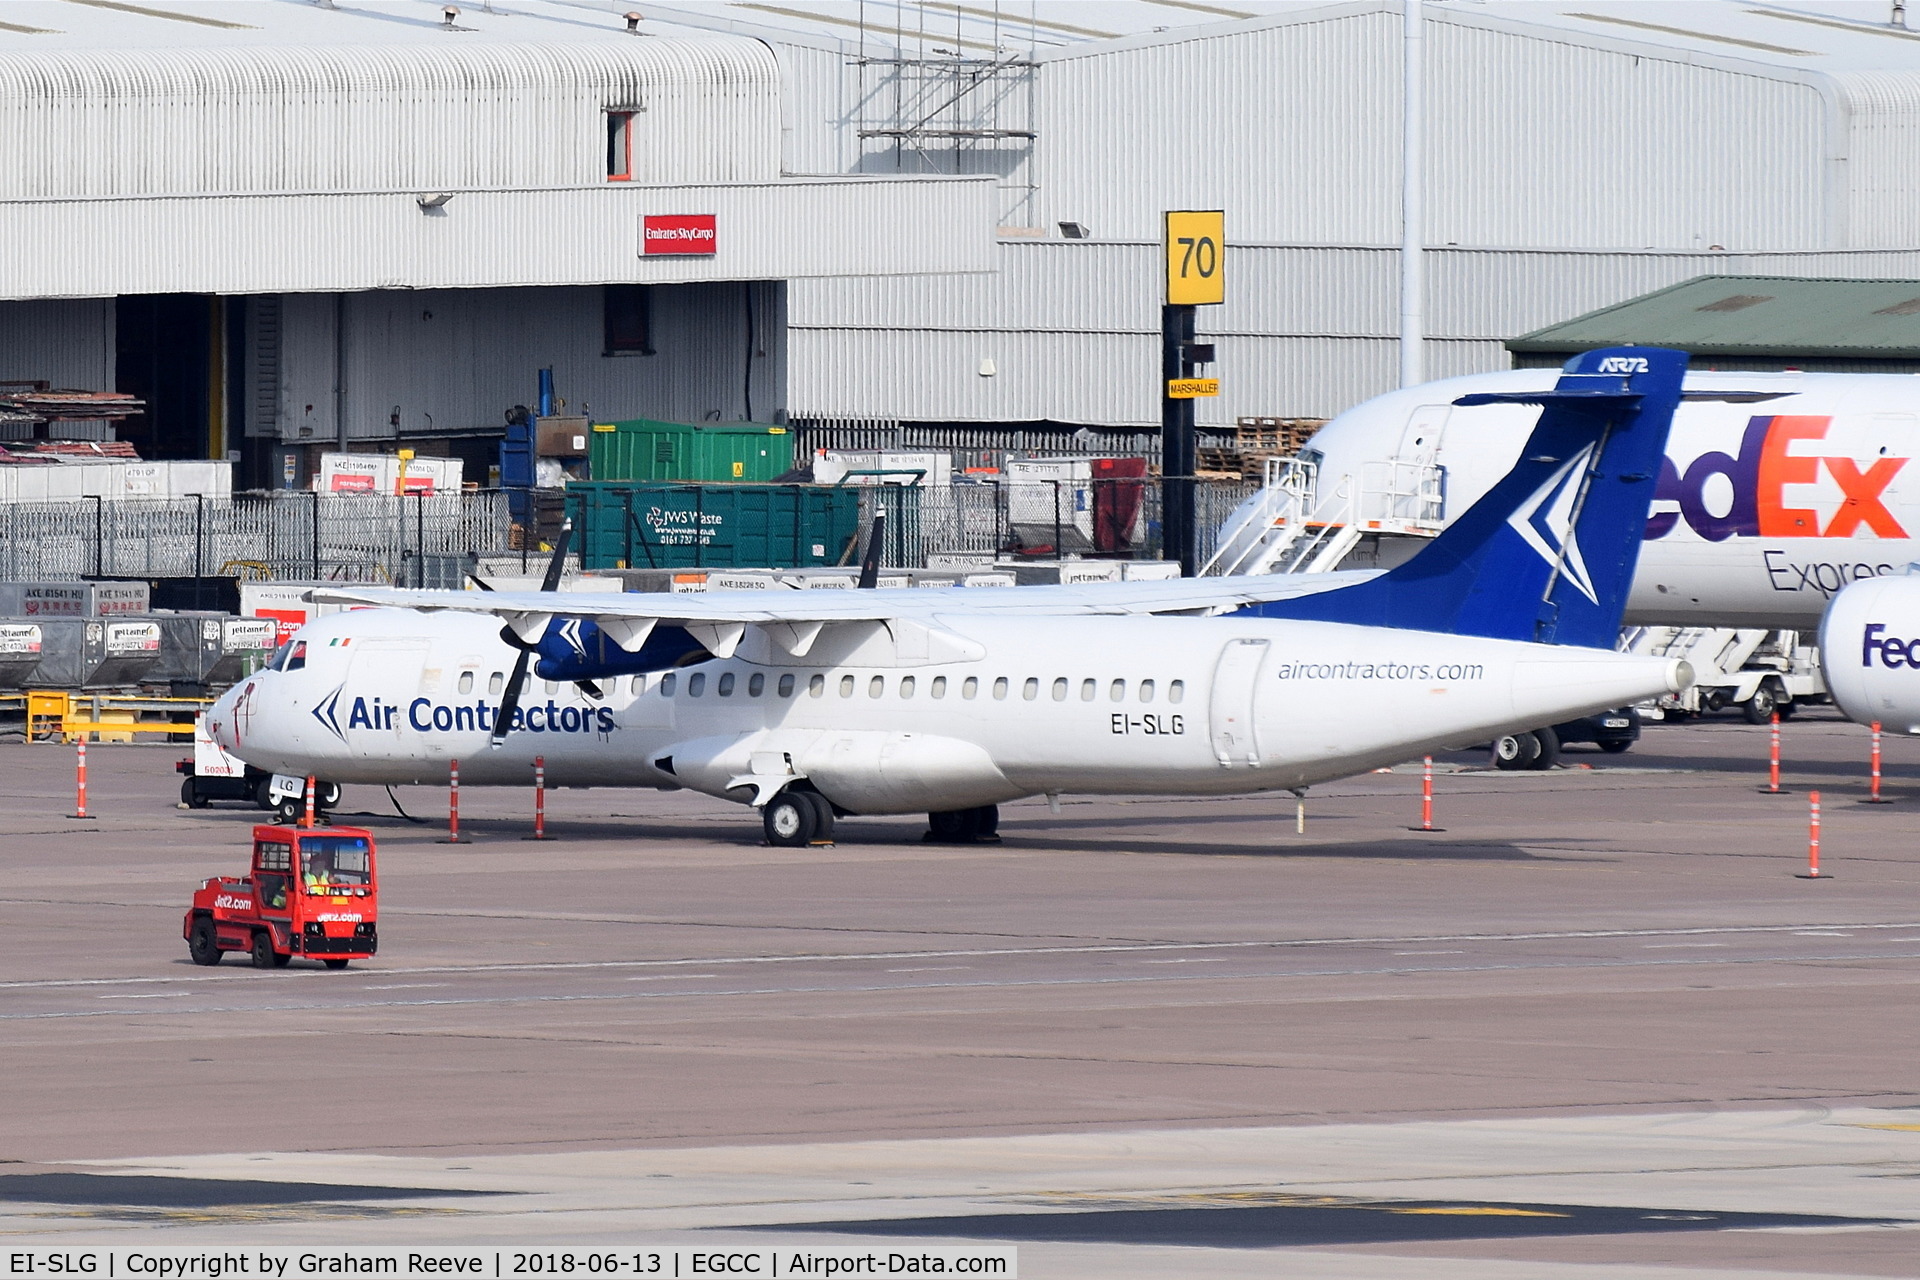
[1870,652]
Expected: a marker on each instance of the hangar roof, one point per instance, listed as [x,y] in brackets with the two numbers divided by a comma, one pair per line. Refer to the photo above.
[1831,36]
[1777,316]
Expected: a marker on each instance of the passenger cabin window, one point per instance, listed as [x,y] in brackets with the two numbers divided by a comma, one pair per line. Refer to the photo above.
[725,687]
[696,684]
[637,686]
[786,685]
[970,688]
[1177,691]
[667,682]
[1087,688]
[756,685]
[876,686]
[846,686]
[1146,691]
[1000,689]
[465,684]
[1117,692]
[939,687]
[553,687]
[816,686]
[496,682]
[1060,689]
[619,146]
[1031,689]
[906,686]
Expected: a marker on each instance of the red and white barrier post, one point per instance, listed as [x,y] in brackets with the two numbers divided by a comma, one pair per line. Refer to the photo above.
[453,805]
[1813,840]
[539,798]
[1426,797]
[307,819]
[80,781]
[1873,793]
[1773,762]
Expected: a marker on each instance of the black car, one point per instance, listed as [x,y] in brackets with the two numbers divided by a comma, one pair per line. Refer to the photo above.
[1612,731]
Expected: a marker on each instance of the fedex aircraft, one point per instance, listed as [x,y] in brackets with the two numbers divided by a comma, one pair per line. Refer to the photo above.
[813,705]
[1776,490]
[1870,651]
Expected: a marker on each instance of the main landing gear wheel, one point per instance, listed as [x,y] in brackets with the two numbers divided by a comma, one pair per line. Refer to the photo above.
[1549,753]
[201,942]
[290,810]
[1515,751]
[964,826]
[822,816]
[790,820]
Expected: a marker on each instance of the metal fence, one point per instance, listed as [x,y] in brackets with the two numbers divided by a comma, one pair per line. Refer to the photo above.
[421,540]
[413,540]
[1119,519]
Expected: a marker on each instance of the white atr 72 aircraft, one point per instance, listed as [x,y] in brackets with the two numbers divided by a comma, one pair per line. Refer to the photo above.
[810,705]
[1777,489]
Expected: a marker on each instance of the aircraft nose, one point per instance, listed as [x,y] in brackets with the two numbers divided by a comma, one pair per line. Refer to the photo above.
[220,718]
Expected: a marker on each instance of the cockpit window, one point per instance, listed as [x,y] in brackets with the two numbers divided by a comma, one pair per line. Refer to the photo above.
[333,860]
[298,658]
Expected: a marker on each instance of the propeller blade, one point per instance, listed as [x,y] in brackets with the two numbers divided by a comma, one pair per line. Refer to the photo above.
[591,689]
[870,563]
[558,565]
[510,697]
[479,582]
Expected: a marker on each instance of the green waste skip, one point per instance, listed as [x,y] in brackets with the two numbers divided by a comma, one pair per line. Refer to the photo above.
[713,526]
[644,450]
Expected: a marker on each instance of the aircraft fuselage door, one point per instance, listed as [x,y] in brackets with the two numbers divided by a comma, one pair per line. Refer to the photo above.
[1231,704]
[383,677]
[1405,490]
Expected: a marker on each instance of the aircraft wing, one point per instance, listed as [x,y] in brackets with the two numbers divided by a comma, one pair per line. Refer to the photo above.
[718,618]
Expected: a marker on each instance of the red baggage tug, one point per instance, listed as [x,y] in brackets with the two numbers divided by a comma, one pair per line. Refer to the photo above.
[311,892]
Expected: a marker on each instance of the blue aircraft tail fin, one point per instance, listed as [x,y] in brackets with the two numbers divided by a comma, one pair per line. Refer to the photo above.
[1548,554]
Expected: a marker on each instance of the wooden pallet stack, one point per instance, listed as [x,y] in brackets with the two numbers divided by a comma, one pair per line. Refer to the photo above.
[1254,441]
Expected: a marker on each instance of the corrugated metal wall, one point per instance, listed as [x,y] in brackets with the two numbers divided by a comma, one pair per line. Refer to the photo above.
[383,118]
[481,239]
[1073,328]
[68,342]
[1883,158]
[1294,128]
[459,359]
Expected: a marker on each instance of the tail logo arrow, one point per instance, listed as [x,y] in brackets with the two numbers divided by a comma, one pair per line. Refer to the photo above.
[1545,521]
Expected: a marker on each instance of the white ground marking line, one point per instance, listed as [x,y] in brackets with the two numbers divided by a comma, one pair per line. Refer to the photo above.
[1674,946]
[404,986]
[1429,953]
[654,977]
[147,995]
[557,966]
[934,968]
[989,984]
[1191,960]
[1814,933]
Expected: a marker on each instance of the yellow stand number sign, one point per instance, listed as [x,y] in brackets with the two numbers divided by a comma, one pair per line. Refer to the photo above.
[1196,252]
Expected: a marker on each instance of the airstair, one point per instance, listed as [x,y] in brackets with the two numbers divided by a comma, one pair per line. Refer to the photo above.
[1290,527]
